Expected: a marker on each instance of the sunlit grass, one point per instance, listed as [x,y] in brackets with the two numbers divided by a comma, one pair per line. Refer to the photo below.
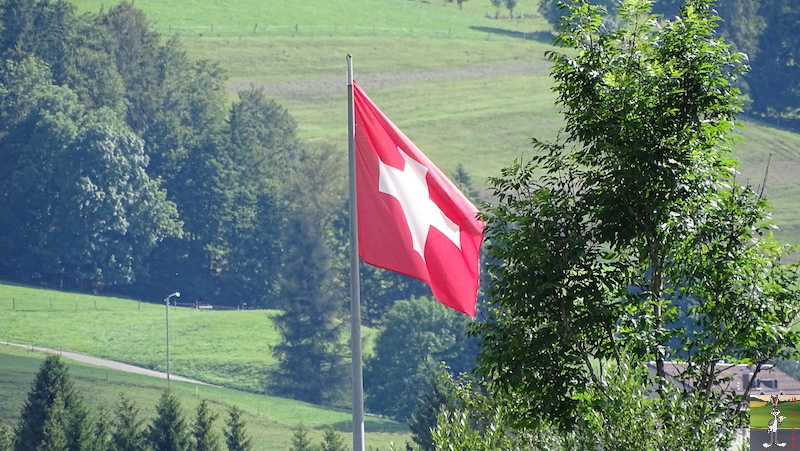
[221,347]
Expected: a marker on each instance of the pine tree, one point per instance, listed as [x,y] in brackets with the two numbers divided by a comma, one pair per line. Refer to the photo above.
[52,382]
[424,417]
[300,440]
[235,433]
[311,355]
[168,430]
[332,441]
[6,437]
[205,437]
[54,437]
[128,432]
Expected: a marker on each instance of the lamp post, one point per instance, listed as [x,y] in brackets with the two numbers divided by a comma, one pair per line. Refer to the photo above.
[166,303]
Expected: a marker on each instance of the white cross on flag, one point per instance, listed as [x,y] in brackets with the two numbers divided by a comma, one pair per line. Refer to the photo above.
[411,218]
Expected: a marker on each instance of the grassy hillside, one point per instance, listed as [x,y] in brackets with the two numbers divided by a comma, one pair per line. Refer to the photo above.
[269,420]
[220,347]
[466,87]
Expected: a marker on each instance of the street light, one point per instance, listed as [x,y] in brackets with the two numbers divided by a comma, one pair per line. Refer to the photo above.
[166,303]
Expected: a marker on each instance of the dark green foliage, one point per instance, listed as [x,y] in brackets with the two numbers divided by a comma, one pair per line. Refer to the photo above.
[140,61]
[6,437]
[129,433]
[53,415]
[263,138]
[507,4]
[54,431]
[332,441]
[424,417]
[101,433]
[311,365]
[416,337]
[236,438]
[300,439]
[98,168]
[168,430]
[205,437]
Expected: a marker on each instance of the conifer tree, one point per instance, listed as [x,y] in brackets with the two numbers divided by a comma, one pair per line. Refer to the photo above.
[52,383]
[168,430]
[332,441]
[236,437]
[6,437]
[205,437]
[300,440]
[54,436]
[129,434]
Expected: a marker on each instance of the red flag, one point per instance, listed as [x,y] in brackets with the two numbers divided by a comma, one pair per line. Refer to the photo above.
[411,218]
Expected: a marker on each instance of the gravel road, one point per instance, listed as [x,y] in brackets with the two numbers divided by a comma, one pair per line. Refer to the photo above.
[106,363]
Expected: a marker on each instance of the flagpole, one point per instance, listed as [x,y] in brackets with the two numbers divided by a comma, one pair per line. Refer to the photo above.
[355,280]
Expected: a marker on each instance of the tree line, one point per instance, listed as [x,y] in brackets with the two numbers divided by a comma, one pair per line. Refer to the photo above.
[125,171]
[54,417]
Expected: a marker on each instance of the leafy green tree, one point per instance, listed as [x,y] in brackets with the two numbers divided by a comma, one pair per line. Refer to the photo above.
[263,137]
[78,53]
[236,438]
[628,243]
[300,439]
[205,437]
[332,441]
[97,168]
[128,430]
[507,4]
[416,337]
[168,430]
[53,411]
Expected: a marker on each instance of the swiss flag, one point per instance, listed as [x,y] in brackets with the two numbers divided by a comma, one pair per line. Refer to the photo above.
[411,218]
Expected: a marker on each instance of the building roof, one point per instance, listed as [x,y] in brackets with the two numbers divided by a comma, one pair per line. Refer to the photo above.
[770,380]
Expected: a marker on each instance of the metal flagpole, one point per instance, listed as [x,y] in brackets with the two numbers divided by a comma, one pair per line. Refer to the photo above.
[355,281]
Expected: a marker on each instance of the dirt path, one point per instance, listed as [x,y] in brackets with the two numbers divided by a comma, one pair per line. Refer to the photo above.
[304,89]
[106,363]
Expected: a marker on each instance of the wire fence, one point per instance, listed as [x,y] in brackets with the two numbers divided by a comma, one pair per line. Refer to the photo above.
[256,30]
[84,303]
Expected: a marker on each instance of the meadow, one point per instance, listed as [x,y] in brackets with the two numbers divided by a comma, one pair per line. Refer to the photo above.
[469,86]
[270,420]
[225,347]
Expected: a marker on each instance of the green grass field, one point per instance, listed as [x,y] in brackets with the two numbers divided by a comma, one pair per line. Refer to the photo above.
[219,347]
[270,420]
[465,87]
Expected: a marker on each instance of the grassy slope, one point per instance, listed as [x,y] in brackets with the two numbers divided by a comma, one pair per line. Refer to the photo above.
[269,420]
[230,347]
[450,78]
